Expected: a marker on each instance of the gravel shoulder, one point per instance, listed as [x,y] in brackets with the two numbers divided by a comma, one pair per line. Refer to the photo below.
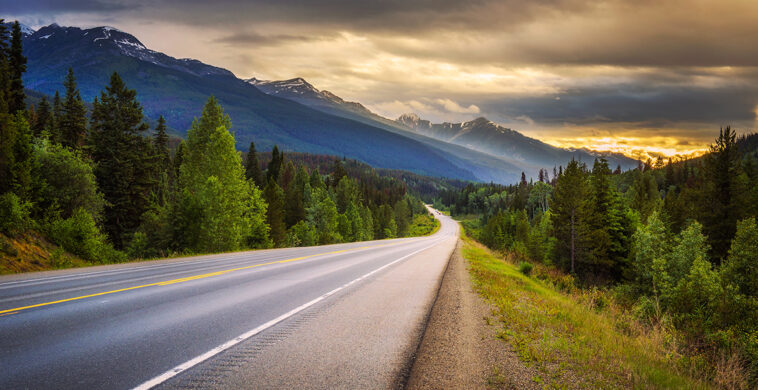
[459,349]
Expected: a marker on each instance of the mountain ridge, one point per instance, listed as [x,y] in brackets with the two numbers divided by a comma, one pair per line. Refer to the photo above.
[178,88]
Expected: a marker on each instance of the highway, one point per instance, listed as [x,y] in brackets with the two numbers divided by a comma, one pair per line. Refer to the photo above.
[346,315]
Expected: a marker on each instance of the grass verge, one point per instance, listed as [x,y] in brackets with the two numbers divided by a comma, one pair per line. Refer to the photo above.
[573,344]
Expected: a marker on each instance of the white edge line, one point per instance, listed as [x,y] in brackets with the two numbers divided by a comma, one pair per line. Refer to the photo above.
[215,351]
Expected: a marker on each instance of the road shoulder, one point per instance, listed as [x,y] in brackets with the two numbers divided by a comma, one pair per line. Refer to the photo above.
[459,348]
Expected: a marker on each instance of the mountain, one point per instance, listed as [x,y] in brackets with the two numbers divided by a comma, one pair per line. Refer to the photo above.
[303,92]
[486,136]
[479,142]
[178,88]
[485,167]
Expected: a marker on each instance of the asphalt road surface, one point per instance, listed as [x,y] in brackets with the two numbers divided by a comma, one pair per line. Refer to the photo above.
[347,316]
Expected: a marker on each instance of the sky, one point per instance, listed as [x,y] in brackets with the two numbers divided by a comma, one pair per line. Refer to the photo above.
[642,77]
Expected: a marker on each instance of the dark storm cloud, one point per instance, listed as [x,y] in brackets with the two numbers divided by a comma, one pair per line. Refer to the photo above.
[255,39]
[27,7]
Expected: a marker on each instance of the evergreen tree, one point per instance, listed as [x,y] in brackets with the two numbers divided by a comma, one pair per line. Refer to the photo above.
[160,141]
[287,175]
[739,275]
[17,67]
[316,181]
[402,218]
[253,168]
[55,120]
[165,171]
[44,118]
[338,171]
[346,193]
[724,188]
[607,247]
[125,158]
[72,122]
[645,197]
[274,197]
[275,165]
[179,158]
[294,199]
[218,210]
[569,213]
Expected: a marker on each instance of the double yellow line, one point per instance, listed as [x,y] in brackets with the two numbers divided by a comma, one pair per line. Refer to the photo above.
[185,279]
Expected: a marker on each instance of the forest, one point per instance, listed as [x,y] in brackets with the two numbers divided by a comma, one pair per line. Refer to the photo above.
[96,180]
[675,242]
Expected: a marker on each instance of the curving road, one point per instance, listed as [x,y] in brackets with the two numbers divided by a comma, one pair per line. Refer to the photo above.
[347,315]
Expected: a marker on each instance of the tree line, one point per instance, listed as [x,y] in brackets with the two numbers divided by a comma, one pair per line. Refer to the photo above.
[678,239]
[103,185]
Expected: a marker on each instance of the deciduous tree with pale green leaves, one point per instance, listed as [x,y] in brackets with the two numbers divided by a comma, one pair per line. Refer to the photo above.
[219,210]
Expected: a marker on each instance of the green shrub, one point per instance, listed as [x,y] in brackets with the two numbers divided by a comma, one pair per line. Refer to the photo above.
[81,236]
[525,268]
[301,234]
[14,213]
[139,247]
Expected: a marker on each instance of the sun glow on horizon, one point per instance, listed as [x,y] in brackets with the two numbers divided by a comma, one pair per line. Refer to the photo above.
[635,147]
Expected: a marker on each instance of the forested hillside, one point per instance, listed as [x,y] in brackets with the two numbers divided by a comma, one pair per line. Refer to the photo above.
[674,242]
[103,185]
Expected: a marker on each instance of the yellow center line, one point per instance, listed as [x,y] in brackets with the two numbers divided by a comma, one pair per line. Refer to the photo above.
[186,279]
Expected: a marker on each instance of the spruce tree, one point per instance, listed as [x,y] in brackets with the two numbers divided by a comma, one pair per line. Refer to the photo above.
[165,171]
[17,63]
[275,165]
[274,197]
[253,168]
[55,119]
[72,122]
[607,247]
[125,158]
[294,199]
[569,213]
[44,118]
[722,206]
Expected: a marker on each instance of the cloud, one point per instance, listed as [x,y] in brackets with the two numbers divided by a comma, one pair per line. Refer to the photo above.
[551,68]
[452,106]
[255,39]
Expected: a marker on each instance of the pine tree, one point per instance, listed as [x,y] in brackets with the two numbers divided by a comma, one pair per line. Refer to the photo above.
[274,197]
[569,213]
[275,165]
[125,159]
[72,122]
[253,168]
[218,210]
[17,67]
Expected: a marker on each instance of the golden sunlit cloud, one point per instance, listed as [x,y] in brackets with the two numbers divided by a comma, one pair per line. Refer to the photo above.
[635,147]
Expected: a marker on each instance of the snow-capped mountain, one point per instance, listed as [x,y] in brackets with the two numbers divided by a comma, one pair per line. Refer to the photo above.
[109,39]
[489,137]
[25,30]
[303,92]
